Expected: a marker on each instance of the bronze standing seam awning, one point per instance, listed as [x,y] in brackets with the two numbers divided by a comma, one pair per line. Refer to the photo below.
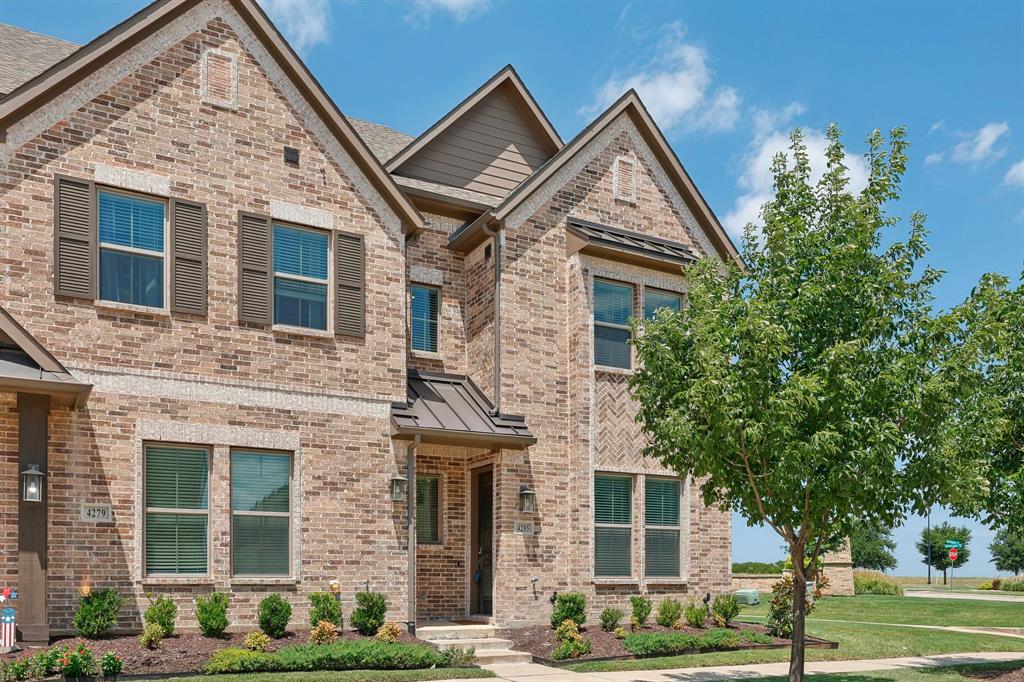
[27,367]
[622,245]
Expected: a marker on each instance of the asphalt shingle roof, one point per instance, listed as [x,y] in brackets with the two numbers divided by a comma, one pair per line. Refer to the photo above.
[382,141]
[26,54]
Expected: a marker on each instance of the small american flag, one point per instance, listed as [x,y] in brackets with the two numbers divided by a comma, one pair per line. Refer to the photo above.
[7,630]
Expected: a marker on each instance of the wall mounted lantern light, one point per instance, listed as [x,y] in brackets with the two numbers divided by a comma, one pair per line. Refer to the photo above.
[399,485]
[527,500]
[32,479]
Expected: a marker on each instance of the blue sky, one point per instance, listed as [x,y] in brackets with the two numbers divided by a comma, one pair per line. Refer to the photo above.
[725,80]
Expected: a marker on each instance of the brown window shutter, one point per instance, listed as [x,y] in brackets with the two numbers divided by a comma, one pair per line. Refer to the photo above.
[350,283]
[74,210]
[188,257]
[255,247]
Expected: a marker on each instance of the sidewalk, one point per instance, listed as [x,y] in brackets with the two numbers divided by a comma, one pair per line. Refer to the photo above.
[530,672]
[939,594]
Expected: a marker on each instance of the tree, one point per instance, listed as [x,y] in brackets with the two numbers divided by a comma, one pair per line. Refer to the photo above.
[872,546]
[1008,551]
[804,390]
[939,554]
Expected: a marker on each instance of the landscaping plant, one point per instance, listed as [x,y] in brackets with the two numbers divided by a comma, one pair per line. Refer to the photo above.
[571,606]
[457,657]
[641,607]
[97,613]
[162,611]
[256,641]
[724,610]
[15,670]
[571,643]
[77,661]
[875,582]
[212,614]
[274,613]
[610,619]
[44,663]
[324,606]
[567,629]
[323,632]
[371,609]
[696,613]
[669,613]
[111,665]
[151,636]
[780,608]
[339,655]
[232,660]
[388,632]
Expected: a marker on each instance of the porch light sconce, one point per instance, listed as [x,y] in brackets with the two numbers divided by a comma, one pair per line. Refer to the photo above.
[399,486]
[527,500]
[33,483]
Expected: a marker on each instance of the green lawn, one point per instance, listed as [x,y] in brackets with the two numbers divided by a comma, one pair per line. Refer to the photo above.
[909,611]
[960,673]
[856,641]
[349,676]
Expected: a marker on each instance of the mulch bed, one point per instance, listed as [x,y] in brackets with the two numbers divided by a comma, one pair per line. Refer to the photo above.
[996,675]
[185,652]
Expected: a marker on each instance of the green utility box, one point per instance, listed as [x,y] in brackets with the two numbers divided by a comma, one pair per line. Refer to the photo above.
[749,597]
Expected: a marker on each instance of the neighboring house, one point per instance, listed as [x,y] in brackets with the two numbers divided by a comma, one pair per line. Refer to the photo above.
[230,318]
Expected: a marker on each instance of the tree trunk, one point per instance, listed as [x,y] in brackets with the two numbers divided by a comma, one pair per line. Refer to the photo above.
[796,655]
[943,576]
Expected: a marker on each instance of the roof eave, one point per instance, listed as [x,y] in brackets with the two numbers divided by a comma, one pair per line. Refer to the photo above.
[471,235]
[61,393]
[461,438]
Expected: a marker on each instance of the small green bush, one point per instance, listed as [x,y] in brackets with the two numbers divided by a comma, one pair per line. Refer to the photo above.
[696,613]
[720,638]
[256,641]
[323,633]
[151,636]
[669,613]
[660,643]
[1012,585]
[986,585]
[111,664]
[371,609]
[212,614]
[752,637]
[875,582]
[610,619]
[324,606]
[274,614]
[621,633]
[162,611]
[458,658]
[641,607]
[45,663]
[359,655]
[997,583]
[780,608]
[571,648]
[234,660]
[724,610]
[567,630]
[77,661]
[15,670]
[569,606]
[97,613]
[389,632]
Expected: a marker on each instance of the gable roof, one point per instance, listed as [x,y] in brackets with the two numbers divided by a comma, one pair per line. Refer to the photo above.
[27,367]
[630,105]
[30,95]
[26,54]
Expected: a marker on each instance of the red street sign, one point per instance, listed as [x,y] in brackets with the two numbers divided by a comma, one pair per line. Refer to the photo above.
[953,554]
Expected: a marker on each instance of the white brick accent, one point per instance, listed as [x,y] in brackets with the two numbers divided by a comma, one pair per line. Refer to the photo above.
[303,215]
[424,275]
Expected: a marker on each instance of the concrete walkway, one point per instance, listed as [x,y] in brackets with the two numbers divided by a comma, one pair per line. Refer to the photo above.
[973,596]
[531,672]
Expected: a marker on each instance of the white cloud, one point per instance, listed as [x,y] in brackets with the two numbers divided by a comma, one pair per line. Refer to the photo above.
[937,126]
[675,83]
[459,10]
[934,158]
[304,23]
[767,121]
[1015,176]
[980,146]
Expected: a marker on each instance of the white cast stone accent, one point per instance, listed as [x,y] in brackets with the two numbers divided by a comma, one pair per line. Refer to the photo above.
[137,181]
[303,215]
[423,275]
[204,78]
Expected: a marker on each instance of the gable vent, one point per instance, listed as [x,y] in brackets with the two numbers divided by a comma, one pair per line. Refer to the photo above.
[624,179]
[220,78]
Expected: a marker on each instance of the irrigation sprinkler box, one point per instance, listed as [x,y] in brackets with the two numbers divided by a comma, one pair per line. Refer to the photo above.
[749,597]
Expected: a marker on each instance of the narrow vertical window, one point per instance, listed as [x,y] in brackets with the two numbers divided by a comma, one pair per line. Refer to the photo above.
[661,523]
[424,317]
[613,306]
[613,526]
[131,235]
[428,516]
[300,277]
[177,510]
[655,300]
[261,513]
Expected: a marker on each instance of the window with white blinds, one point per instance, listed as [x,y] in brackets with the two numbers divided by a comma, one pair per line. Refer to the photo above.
[613,307]
[425,308]
[613,520]
[131,257]
[300,277]
[656,299]
[428,510]
[261,512]
[661,527]
[177,510]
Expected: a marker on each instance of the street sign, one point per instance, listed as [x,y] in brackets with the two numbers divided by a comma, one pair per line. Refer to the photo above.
[950,544]
[953,554]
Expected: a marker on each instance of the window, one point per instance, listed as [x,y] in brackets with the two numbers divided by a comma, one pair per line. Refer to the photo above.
[654,300]
[424,317]
[261,512]
[300,277]
[613,306]
[131,232]
[177,505]
[661,521]
[428,510]
[613,519]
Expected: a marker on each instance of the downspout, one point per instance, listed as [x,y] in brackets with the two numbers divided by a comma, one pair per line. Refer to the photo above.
[496,237]
[411,524]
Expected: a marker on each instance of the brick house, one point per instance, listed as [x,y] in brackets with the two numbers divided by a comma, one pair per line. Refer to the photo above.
[252,345]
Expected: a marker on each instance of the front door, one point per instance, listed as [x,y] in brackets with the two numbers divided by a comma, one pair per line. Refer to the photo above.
[481,594]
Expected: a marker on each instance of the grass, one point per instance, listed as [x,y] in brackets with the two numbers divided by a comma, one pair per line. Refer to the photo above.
[921,581]
[958,673]
[908,611]
[856,641]
[349,676]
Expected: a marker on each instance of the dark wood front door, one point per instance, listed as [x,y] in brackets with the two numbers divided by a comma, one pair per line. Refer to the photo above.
[481,594]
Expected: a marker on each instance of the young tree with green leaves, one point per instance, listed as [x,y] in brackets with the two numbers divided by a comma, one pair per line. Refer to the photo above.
[872,546]
[1008,551]
[804,391]
[938,535]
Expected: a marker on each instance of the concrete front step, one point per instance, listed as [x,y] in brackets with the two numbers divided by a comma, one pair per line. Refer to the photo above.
[433,633]
[502,656]
[478,645]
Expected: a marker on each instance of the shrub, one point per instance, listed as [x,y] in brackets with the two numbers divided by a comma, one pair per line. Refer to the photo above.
[1012,585]
[610,619]
[569,606]
[660,643]
[44,663]
[997,583]
[720,639]
[323,632]
[987,585]
[696,613]
[212,614]
[97,613]
[621,633]
[752,637]
[457,658]
[875,582]
[389,632]
[256,641]
[368,616]
[724,610]
[111,664]
[758,568]
[162,611]
[234,660]
[571,648]
[669,612]
[324,606]
[641,607]
[15,670]
[77,661]
[780,609]
[359,655]
[151,636]
[274,614]
[567,630]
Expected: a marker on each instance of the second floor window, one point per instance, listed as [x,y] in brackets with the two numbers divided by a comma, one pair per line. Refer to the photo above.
[655,300]
[300,277]
[131,235]
[424,317]
[613,306]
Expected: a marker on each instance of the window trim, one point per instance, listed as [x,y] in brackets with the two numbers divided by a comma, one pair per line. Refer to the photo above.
[611,325]
[329,282]
[663,292]
[632,519]
[678,527]
[437,319]
[440,510]
[164,255]
[146,509]
[289,514]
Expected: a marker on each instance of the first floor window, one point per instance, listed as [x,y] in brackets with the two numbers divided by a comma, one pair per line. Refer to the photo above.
[261,512]
[655,300]
[300,277]
[613,306]
[661,527]
[428,512]
[177,508]
[424,317]
[613,522]
[131,249]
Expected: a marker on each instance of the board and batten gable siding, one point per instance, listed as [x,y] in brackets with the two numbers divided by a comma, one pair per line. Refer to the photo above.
[490,149]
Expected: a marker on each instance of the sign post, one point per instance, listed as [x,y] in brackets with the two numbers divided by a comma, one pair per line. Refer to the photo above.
[954,547]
